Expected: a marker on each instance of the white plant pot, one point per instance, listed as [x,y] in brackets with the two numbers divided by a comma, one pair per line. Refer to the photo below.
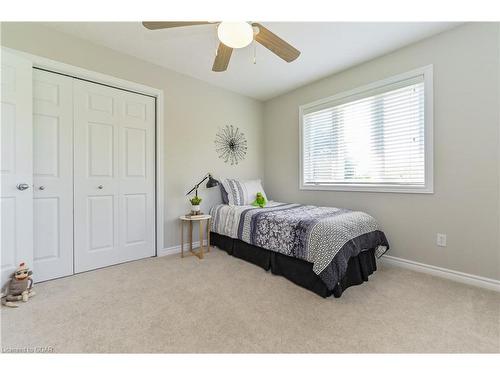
[195,208]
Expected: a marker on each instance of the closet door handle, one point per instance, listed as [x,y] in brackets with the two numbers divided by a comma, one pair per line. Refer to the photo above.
[41,187]
[22,186]
[100,187]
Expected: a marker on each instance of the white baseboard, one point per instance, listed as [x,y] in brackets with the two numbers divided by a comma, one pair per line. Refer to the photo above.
[176,249]
[466,278]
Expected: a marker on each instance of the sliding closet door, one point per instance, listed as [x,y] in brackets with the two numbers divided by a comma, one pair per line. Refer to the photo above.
[114,175]
[53,175]
[16,164]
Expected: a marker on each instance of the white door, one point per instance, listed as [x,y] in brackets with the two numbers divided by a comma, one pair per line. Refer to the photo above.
[16,164]
[53,175]
[113,176]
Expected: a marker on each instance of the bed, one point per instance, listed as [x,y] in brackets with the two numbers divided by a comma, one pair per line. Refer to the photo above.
[323,249]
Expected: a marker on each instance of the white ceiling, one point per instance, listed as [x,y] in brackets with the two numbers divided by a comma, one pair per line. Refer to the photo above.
[327,47]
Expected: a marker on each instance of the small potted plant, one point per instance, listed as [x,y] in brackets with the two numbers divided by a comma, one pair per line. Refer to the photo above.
[195,204]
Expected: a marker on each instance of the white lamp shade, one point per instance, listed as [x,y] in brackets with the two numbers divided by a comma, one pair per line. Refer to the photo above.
[235,34]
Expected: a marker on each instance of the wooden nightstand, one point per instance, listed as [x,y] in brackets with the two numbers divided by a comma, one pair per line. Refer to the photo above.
[200,219]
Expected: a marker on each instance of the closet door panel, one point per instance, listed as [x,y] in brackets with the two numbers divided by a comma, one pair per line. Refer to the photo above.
[114,176]
[101,149]
[53,174]
[16,164]
[136,172]
[101,216]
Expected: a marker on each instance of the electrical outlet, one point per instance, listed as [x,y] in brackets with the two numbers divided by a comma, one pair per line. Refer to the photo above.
[441,239]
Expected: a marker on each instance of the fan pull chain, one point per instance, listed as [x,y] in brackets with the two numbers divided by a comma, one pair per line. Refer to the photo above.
[216,41]
[254,52]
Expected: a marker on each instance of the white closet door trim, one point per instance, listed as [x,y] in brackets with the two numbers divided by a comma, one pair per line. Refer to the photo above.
[77,72]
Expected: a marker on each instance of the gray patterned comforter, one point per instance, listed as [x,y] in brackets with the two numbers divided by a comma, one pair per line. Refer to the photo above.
[327,237]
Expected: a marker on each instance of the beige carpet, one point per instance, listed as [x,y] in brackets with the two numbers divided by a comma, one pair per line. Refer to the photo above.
[223,304]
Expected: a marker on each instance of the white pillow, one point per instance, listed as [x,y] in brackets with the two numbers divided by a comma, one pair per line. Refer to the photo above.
[242,192]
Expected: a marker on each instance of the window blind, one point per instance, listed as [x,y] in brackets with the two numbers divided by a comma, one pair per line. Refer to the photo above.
[375,138]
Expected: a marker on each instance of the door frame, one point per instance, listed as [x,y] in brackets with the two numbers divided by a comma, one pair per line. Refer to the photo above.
[104,79]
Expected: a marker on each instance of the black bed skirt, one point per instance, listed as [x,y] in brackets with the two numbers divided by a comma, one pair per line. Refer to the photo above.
[296,270]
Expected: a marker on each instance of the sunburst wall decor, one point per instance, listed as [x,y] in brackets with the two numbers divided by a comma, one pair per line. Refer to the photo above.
[231,144]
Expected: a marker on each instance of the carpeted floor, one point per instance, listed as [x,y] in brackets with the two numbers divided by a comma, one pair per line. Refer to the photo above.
[223,304]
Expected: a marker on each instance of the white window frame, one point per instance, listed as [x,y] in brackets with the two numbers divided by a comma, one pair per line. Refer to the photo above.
[357,93]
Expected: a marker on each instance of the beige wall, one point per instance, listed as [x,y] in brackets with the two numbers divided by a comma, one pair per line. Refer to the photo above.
[465,204]
[194,110]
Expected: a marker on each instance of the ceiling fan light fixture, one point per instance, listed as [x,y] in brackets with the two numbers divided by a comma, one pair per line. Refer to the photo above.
[235,34]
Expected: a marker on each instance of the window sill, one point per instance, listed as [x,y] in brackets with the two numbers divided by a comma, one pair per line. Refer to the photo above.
[370,189]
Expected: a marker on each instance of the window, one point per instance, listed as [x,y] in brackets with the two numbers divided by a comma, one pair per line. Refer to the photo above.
[375,138]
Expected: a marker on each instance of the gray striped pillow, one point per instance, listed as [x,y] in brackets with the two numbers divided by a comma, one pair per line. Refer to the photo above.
[242,193]
[235,194]
[223,194]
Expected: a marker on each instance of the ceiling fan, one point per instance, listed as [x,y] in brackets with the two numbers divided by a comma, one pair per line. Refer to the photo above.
[235,35]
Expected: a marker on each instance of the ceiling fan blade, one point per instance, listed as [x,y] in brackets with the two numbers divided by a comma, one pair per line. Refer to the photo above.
[155,25]
[275,44]
[222,59]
